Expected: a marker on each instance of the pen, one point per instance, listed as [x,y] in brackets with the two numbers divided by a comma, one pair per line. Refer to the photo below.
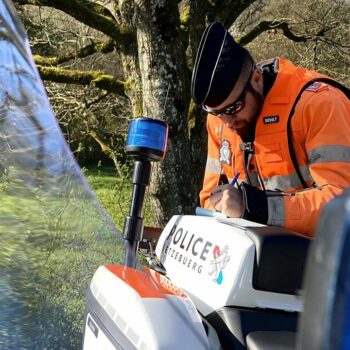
[234,180]
[205,212]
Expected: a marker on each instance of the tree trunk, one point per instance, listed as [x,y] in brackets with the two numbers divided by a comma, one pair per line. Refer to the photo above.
[166,97]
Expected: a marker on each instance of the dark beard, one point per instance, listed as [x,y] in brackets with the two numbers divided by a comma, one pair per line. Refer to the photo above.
[248,133]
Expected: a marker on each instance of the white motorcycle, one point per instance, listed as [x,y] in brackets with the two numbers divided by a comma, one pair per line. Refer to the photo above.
[222,283]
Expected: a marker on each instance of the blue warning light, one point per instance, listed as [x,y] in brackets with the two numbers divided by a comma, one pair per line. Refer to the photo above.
[147,139]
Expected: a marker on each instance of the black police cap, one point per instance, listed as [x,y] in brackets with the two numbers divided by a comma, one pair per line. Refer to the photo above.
[217,67]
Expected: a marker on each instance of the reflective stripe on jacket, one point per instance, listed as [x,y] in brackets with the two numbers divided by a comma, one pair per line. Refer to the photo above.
[321,139]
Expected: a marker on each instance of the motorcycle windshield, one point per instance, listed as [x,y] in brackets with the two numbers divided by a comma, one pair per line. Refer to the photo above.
[54,233]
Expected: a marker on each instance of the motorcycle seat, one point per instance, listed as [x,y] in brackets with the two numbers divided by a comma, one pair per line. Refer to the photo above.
[279,260]
[271,340]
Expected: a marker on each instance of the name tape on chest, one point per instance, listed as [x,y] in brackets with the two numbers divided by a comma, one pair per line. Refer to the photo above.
[271,119]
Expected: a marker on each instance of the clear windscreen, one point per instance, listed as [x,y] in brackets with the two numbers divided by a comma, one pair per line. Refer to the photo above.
[53,231]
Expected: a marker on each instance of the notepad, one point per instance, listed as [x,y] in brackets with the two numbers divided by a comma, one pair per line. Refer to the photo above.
[207,212]
[238,222]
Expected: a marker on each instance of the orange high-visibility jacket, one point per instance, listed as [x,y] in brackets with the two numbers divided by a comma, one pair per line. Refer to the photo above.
[320,131]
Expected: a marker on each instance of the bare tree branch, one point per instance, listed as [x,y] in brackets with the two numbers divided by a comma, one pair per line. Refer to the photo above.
[95,78]
[331,25]
[284,26]
[96,99]
[86,51]
[337,45]
[228,11]
[269,25]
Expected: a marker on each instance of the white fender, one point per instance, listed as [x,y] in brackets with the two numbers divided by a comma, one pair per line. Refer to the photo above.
[128,308]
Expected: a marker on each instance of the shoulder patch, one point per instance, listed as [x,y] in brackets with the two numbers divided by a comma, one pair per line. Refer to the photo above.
[271,66]
[316,86]
[225,152]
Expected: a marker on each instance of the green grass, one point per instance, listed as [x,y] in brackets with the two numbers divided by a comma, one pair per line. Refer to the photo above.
[114,193]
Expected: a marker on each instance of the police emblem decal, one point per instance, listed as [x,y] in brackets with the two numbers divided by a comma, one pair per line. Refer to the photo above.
[225,152]
[221,259]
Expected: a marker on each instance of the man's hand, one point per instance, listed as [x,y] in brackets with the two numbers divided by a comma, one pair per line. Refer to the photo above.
[228,200]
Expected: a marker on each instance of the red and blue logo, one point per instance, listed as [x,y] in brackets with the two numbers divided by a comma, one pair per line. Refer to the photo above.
[220,261]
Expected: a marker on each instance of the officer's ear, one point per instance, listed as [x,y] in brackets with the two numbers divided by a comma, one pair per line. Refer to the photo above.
[257,79]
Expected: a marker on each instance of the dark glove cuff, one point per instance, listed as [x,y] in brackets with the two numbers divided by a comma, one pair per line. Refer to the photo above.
[255,203]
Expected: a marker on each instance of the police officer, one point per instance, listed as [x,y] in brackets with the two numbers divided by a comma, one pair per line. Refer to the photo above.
[284,129]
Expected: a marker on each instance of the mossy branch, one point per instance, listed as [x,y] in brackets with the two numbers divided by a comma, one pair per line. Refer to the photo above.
[86,51]
[95,78]
[92,14]
[107,151]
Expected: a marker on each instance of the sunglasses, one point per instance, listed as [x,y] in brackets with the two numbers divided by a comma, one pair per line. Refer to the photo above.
[235,106]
